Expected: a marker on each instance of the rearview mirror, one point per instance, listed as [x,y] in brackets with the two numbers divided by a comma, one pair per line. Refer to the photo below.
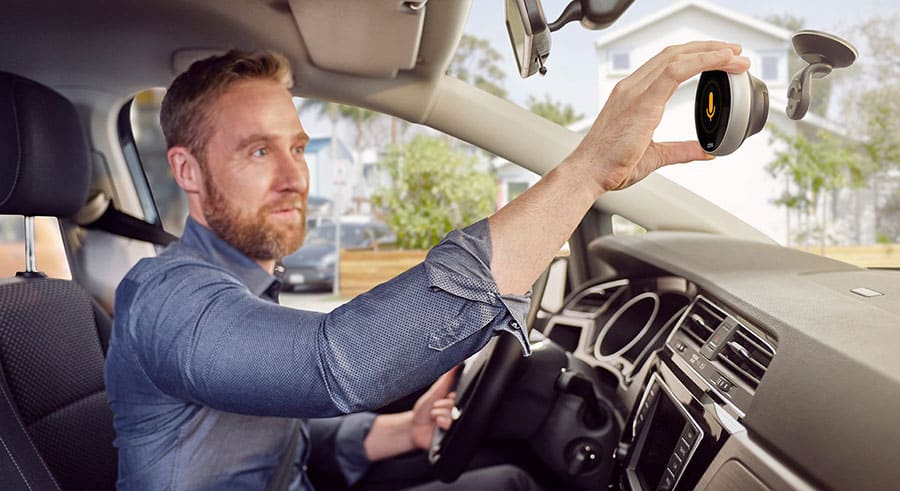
[529,35]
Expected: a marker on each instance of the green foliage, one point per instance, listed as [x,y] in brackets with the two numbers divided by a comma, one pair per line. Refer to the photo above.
[476,62]
[433,190]
[556,111]
[815,167]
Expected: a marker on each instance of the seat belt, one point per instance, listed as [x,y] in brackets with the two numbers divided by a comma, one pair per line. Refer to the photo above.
[100,213]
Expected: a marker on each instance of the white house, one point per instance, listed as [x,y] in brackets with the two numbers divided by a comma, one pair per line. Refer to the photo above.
[332,172]
[738,182]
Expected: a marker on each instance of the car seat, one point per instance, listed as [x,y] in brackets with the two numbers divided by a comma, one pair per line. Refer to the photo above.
[56,428]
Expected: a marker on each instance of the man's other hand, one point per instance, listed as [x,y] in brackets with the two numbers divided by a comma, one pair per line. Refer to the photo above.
[433,408]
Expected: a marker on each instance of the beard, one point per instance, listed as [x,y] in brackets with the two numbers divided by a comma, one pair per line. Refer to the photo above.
[250,232]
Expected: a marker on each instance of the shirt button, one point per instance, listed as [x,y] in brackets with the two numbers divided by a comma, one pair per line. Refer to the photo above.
[514,325]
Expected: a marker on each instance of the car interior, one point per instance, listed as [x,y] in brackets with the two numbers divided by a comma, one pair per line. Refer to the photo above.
[699,355]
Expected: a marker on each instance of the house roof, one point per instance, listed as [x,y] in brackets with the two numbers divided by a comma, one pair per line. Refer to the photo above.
[717,10]
[320,144]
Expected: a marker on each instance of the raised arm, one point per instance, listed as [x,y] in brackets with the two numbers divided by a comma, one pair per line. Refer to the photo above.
[617,151]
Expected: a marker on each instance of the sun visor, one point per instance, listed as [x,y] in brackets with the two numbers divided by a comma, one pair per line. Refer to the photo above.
[371,38]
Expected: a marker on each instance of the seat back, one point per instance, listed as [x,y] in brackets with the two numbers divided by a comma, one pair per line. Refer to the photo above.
[53,336]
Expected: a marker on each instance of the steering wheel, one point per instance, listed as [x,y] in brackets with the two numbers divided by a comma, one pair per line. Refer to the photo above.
[483,381]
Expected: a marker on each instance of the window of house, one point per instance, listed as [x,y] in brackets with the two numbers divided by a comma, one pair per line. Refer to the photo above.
[619,61]
[770,67]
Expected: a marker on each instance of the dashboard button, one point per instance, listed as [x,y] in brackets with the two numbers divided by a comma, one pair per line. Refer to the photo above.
[674,465]
[667,482]
[690,434]
[682,449]
[724,384]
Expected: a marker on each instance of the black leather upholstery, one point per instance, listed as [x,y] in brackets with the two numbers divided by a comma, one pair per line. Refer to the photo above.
[44,159]
[55,425]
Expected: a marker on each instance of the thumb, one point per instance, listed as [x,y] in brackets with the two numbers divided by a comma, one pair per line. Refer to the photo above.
[441,387]
[680,152]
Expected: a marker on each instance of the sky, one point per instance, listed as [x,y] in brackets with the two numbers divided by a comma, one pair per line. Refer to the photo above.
[572,66]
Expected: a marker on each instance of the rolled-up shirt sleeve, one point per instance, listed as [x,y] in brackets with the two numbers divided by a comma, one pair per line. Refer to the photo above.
[460,265]
[225,348]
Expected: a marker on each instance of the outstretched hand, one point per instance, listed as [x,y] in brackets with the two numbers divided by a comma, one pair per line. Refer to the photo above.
[433,408]
[619,148]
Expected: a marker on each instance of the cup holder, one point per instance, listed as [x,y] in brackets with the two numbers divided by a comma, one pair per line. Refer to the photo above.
[627,326]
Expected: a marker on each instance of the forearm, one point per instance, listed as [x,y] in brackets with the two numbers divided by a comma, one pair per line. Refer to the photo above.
[389,436]
[529,231]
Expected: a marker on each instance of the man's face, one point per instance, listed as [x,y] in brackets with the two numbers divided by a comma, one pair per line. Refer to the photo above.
[256,181]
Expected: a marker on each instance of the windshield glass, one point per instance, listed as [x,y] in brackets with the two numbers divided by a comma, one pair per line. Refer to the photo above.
[828,184]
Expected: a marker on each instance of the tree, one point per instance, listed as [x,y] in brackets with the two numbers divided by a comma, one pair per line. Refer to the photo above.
[433,190]
[556,111]
[476,62]
[814,167]
[872,113]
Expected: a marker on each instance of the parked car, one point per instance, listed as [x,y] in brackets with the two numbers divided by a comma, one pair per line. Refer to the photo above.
[312,267]
[698,355]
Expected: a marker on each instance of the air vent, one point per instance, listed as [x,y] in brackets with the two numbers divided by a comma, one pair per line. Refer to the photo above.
[701,321]
[596,299]
[593,301]
[746,355]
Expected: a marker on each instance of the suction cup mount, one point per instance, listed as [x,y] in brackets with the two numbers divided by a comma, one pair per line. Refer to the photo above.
[823,52]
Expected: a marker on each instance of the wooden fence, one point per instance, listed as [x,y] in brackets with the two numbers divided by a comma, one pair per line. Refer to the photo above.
[881,255]
[363,269]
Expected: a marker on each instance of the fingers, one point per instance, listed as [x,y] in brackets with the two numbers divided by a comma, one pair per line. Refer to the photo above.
[442,412]
[675,64]
[680,152]
[442,385]
[651,69]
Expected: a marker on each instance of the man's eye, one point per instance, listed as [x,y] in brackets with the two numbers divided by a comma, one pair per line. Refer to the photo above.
[260,152]
[299,150]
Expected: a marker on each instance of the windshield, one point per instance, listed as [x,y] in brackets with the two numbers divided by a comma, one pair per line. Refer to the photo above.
[828,184]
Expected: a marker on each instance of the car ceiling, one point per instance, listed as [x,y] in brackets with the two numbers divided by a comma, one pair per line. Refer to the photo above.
[121,48]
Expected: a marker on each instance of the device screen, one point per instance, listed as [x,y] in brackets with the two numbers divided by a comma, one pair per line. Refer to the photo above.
[711,109]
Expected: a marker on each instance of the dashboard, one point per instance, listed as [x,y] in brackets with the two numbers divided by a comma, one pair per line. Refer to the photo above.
[740,365]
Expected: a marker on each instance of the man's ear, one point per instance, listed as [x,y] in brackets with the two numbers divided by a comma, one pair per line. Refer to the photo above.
[186,169]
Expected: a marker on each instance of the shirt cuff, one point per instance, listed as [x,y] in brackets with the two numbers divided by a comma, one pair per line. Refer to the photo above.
[350,451]
[460,265]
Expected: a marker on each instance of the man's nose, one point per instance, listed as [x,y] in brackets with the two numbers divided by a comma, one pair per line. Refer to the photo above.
[292,173]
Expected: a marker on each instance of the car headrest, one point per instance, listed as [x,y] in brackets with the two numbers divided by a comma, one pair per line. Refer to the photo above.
[45,162]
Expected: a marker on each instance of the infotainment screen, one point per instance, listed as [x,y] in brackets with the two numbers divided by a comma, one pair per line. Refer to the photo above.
[666,438]
[662,437]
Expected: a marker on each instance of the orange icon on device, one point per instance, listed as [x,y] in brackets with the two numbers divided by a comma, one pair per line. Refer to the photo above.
[710,109]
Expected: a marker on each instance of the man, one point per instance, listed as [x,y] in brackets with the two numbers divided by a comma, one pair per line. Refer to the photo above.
[205,370]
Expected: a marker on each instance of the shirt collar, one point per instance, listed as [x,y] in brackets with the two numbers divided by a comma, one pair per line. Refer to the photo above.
[221,253]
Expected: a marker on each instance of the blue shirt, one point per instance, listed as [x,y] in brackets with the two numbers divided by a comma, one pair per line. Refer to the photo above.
[208,377]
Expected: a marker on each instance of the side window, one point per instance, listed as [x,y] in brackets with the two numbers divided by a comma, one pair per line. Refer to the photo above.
[49,252]
[170,201]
